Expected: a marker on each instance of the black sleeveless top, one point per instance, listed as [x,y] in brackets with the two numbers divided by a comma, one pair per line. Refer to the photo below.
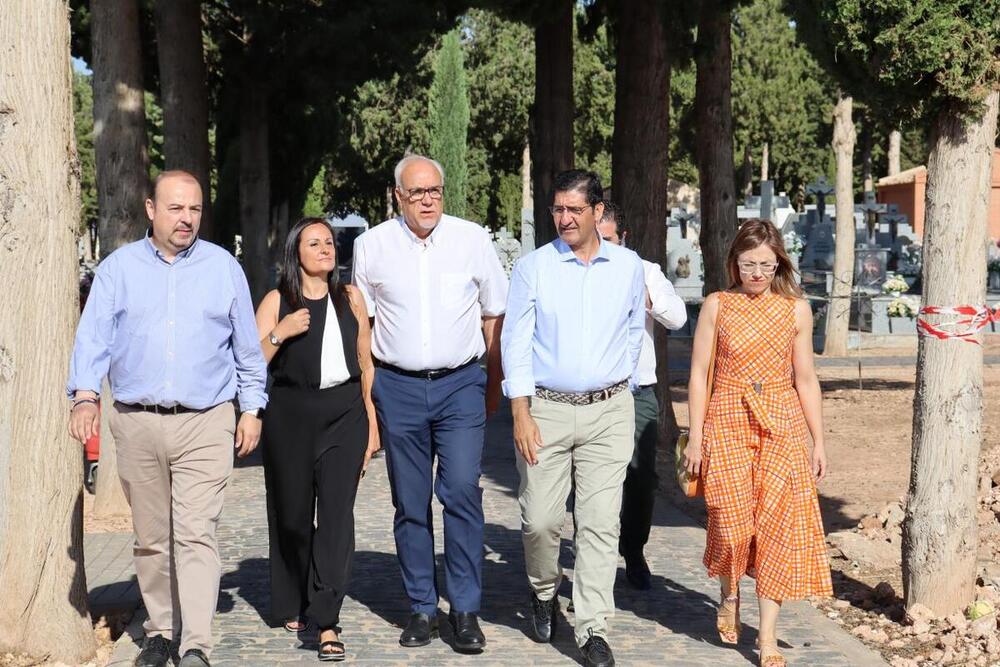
[298,361]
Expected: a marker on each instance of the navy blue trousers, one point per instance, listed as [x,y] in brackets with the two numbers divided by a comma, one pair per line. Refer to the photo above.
[420,420]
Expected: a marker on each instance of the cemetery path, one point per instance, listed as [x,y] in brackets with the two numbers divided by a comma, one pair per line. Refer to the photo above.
[672,624]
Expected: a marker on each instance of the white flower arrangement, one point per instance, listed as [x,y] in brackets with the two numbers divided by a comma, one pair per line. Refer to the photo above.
[903,306]
[793,243]
[895,285]
[508,249]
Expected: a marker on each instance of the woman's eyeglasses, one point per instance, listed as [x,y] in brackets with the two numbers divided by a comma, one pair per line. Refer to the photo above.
[766,268]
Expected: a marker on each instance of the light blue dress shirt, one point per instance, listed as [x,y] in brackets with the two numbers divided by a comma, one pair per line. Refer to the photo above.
[180,333]
[572,326]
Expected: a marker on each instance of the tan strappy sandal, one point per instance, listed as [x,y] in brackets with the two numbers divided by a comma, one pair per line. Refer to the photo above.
[773,658]
[728,620]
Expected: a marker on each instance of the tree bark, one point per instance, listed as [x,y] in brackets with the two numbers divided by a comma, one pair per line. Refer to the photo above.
[940,532]
[122,177]
[895,141]
[255,187]
[866,154]
[43,588]
[119,123]
[838,314]
[746,178]
[552,113]
[764,157]
[639,156]
[184,96]
[526,199]
[714,114]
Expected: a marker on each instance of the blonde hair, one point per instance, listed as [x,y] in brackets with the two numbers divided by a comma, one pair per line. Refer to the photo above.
[754,233]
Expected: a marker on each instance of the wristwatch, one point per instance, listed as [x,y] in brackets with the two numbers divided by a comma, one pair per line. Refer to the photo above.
[255,412]
[274,340]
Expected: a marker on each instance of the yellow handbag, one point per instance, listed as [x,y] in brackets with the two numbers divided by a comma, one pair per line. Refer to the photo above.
[694,485]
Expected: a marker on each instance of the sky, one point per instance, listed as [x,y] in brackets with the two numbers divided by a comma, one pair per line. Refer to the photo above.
[80,66]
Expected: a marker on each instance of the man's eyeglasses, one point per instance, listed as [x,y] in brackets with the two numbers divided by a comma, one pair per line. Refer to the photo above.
[574,211]
[766,268]
[417,194]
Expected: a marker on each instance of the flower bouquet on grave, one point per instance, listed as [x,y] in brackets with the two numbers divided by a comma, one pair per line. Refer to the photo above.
[895,285]
[793,243]
[903,306]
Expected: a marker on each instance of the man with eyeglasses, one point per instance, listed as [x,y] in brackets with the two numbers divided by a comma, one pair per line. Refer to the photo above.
[639,491]
[571,342]
[435,288]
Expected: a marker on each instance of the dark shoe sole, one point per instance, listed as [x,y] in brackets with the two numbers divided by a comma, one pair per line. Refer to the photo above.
[415,644]
[539,638]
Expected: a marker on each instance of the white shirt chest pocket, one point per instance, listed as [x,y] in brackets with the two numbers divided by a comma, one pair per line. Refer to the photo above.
[455,288]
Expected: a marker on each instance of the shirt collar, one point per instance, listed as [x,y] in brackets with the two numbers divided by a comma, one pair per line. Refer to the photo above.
[566,253]
[433,238]
[156,254]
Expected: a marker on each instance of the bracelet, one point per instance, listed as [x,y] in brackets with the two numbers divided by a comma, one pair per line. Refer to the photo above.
[83,400]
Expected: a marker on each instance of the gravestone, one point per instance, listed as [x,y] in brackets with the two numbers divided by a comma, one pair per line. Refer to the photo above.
[681,217]
[819,250]
[684,267]
[871,209]
[870,269]
[508,249]
[527,230]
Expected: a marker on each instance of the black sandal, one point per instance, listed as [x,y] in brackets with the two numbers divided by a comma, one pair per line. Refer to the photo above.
[338,655]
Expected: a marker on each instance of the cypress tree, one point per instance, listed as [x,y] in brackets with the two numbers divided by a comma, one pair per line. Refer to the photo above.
[449,121]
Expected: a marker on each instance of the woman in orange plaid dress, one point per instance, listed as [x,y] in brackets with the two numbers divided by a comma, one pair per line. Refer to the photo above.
[750,444]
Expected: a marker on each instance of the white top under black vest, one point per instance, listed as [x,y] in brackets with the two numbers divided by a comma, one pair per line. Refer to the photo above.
[324,356]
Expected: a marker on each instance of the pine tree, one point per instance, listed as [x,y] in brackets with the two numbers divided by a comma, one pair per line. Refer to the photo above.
[449,121]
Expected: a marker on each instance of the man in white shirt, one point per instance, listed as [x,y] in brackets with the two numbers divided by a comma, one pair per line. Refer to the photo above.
[437,292]
[639,492]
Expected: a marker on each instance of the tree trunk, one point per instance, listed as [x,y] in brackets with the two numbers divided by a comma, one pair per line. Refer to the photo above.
[714,114]
[526,200]
[43,588]
[940,536]
[119,123]
[255,187]
[184,95]
[639,155]
[764,157]
[552,113]
[866,155]
[746,179]
[122,176]
[895,140]
[838,314]
[109,497]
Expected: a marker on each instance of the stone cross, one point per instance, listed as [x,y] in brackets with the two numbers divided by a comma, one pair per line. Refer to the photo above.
[682,216]
[821,188]
[872,209]
[894,220]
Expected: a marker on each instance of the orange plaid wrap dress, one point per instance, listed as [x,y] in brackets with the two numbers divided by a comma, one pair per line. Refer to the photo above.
[763,513]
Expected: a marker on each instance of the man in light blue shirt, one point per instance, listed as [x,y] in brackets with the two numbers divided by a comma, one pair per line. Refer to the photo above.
[170,322]
[570,345]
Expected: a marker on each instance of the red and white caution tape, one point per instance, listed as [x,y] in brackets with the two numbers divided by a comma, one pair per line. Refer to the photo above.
[973,318]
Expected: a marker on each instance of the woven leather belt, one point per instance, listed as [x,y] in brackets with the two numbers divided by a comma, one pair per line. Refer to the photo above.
[433,374]
[581,398]
[158,409]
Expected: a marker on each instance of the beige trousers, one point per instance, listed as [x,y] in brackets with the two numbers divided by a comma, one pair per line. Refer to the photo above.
[590,445]
[174,469]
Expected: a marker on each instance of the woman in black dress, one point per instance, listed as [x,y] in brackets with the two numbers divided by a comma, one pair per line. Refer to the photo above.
[319,431]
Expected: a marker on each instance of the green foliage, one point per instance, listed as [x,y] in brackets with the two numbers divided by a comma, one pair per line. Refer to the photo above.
[594,93]
[905,57]
[781,96]
[83,125]
[315,206]
[449,121]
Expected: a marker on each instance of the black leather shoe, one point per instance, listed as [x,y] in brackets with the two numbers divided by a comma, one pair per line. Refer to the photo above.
[637,573]
[194,658]
[155,652]
[597,653]
[543,618]
[419,631]
[468,636]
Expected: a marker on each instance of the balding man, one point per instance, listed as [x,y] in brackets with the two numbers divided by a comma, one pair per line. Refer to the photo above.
[170,322]
[436,289]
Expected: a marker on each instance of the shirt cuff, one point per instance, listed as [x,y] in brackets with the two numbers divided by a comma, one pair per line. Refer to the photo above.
[518,387]
[253,402]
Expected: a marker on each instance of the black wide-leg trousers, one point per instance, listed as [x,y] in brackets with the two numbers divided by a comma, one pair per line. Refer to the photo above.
[314,445]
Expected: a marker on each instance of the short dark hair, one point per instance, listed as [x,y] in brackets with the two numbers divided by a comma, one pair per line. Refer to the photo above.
[586,182]
[614,213]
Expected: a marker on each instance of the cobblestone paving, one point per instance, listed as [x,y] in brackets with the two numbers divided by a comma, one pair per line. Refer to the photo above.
[671,625]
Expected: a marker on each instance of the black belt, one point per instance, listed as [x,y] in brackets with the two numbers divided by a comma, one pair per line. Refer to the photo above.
[158,409]
[432,374]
